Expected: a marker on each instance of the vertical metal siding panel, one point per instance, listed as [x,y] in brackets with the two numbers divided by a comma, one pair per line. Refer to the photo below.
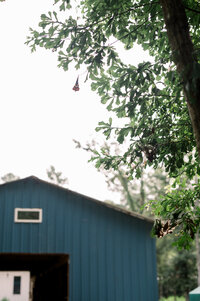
[51,222]
[101,253]
[76,258]
[126,254]
[106,221]
[59,211]
[12,223]
[54,220]
[133,291]
[31,240]
[10,200]
[147,256]
[85,260]
[73,272]
[68,239]
[150,284]
[142,263]
[3,221]
[148,252]
[117,258]
[151,281]
[154,270]
[12,197]
[8,224]
[151,267]
[24,237]
[145,235]
[124,258]
[68,222]
[88,251]
[134,260]
[111,288]
[15,247]
[114,233]
[93,249]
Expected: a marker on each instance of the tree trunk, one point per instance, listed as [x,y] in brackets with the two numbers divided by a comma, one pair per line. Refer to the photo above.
[175,297]
[187,296]
[184,58]
[198,257]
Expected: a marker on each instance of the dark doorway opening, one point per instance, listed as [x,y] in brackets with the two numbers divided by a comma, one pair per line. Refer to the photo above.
[49,273]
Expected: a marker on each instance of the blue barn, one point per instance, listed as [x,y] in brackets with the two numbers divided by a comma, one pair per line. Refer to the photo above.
[75,248]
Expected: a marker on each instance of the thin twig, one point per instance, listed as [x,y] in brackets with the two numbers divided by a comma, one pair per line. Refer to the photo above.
[192,9]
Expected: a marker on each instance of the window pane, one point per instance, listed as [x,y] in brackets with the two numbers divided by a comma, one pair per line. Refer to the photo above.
[28,215]
[17,285]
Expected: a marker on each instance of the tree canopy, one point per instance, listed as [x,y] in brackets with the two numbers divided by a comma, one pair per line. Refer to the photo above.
[158,102]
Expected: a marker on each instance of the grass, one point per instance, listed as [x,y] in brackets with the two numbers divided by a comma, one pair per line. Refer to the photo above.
[172,299]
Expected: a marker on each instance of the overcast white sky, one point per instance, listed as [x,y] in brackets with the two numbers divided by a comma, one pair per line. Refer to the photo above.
[40,114]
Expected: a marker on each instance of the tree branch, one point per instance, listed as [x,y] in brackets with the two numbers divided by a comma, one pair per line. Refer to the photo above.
[192,9]
[117,14]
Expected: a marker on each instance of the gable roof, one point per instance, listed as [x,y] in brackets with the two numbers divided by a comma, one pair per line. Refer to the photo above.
[105,204]
[196,291]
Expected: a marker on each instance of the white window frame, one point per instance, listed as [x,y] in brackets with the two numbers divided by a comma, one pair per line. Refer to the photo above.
[17,220]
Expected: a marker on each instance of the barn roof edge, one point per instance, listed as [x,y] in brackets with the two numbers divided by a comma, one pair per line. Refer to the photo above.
[111,206]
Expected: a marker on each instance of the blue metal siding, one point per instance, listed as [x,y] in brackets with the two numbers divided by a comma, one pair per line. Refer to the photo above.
[112,256]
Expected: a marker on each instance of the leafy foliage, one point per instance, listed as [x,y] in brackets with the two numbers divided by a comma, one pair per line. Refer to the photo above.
[150,96]
[180,210]
[154,127]
[176,269]
[9,177]
[56,176]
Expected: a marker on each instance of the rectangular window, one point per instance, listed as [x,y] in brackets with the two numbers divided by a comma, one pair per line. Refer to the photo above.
[17,285]
[28,215]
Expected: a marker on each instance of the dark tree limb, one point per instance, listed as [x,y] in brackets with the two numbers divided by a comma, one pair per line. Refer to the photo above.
[184,58]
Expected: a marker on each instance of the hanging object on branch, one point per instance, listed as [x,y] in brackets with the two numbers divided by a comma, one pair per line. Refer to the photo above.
[76,86]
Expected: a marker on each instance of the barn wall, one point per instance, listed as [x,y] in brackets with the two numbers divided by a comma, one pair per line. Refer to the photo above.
[112,256]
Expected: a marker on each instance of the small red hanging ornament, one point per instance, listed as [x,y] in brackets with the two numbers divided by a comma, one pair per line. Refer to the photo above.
[76,86]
